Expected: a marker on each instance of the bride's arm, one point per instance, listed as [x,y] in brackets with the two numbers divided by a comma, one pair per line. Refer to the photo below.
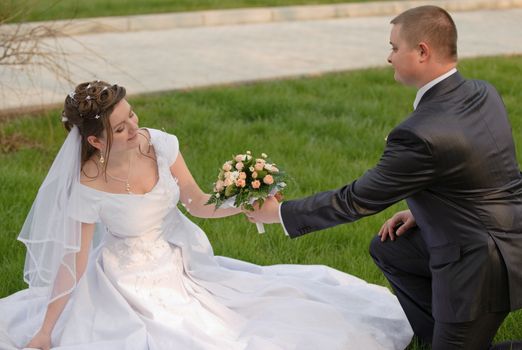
[42,339]
[192,196]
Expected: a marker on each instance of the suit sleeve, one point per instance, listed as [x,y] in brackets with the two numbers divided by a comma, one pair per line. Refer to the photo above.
[407,166]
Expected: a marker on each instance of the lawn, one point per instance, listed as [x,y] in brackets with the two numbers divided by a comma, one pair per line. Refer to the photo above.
[39,10]
[325,131]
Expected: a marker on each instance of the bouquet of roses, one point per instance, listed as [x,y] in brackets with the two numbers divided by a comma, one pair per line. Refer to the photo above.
[244,180]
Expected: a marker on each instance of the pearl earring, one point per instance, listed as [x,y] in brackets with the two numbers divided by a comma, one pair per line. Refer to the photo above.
[102,160]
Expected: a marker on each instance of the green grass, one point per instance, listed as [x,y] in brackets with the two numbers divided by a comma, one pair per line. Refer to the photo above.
[39,10]
[325,131]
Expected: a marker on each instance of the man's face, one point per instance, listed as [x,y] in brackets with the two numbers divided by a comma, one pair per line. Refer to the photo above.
[403,58]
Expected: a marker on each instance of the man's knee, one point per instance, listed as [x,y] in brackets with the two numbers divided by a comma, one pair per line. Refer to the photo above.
[377,249]
[389,253]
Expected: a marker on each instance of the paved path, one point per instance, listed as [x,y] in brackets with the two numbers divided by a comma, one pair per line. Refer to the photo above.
[189,57]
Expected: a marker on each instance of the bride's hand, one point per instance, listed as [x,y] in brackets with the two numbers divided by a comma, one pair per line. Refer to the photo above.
[399,223]
[41,340]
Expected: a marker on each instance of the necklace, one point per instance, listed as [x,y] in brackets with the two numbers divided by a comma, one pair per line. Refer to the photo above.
[126,180]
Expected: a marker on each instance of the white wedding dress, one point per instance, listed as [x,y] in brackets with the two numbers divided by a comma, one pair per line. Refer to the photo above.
[153,282]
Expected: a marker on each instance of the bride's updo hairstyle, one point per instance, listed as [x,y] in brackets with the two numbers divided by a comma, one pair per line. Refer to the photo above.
[88,107]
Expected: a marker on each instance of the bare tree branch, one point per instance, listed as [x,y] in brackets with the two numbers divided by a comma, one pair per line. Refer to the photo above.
[38,59]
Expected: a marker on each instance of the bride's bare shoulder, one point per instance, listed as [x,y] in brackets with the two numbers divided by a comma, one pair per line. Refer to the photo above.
[145,142]
[145,136]
[90,173]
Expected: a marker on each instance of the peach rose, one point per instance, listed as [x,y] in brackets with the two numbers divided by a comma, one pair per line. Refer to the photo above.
[240,158]
[228,181]
[220,185]
[259,166]
[240,183]
[242,175]
[240,166]
[268,179]
[256,184]
[254,175]
[227,166]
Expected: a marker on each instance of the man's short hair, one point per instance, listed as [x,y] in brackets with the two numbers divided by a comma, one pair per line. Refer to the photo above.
[432,25]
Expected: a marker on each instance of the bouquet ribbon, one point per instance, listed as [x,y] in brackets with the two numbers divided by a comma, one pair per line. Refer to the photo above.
[229,203]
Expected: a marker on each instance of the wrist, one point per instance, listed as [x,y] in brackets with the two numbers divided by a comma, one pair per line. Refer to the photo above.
[46,331]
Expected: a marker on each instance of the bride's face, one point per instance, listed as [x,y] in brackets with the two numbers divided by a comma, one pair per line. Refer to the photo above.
[124,127]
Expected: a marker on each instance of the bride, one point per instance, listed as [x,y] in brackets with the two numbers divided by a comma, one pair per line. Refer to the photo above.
[113,264]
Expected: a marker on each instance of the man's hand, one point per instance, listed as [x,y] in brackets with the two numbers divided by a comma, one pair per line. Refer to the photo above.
[268,214]
[397,225]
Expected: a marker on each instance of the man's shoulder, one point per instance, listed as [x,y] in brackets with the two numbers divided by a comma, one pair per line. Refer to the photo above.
[476,85]
[455,89]
[423,126]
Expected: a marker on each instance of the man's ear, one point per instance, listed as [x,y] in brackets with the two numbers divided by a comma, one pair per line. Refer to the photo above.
[424,51]
[95,142]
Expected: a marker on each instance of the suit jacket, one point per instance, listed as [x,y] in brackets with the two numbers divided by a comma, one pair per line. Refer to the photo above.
[453,160]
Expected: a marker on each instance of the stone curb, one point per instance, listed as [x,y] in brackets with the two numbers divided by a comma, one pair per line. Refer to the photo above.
[254,15]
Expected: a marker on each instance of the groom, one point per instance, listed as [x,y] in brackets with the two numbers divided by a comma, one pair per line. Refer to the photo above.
[455,258]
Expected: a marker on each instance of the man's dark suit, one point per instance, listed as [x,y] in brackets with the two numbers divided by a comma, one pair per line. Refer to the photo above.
[454,162]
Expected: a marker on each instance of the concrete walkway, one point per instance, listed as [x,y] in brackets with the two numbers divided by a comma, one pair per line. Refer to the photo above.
[184,56]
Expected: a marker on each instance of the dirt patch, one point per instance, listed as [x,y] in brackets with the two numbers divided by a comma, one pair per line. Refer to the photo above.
[14,142]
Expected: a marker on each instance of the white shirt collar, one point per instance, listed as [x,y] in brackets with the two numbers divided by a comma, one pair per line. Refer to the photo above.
[429,85]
